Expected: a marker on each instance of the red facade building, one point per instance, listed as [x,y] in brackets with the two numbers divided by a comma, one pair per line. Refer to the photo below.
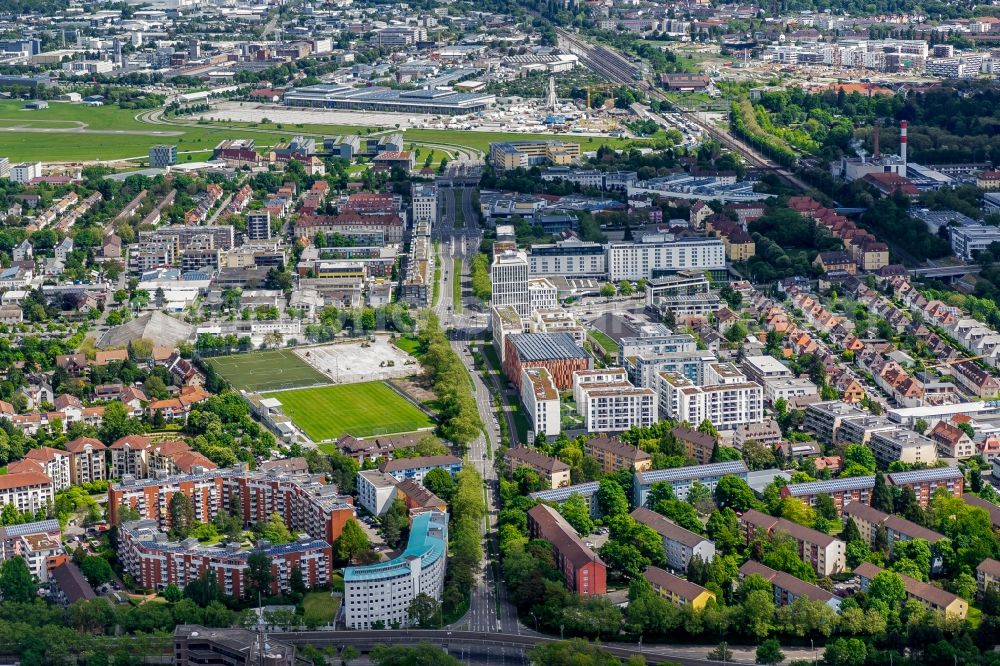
[584,571]
[304,501]
[155,563]
[556,352]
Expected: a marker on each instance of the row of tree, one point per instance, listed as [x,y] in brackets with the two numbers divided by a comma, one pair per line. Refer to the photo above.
[459,415]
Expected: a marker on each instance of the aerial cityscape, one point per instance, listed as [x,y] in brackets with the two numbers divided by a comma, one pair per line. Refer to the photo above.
[618,332]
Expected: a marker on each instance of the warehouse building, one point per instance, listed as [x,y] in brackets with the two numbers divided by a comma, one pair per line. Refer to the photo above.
[380,99]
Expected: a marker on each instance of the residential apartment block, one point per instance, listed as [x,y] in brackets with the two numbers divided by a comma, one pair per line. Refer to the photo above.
[904,445]
[608,402]
[154,562]
[679,544]
[869,520]
[926,481]
[681,478]
[788,588]
[614,455]
[931,597]
[27,491]
[88,461]
[987,575]
[823,552]
[553,472]
[844,492]
[725,398]
[38,543]
[304,501]
[662,254]
[417,468]
[582,569]
[697,445]
[53,463]
[587,490]
[677,590]
[540,398]
[376,491]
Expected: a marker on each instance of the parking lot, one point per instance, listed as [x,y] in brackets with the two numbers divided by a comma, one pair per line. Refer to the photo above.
[370,527]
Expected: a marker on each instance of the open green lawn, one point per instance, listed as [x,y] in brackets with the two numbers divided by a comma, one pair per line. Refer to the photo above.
[436,291]
[197,139]
[365,409]
[267,371]
[602,339]
[320,605]
[456,286]
[459,211]
[408,343]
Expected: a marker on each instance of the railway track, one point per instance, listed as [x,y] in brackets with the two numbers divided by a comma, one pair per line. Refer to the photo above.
[616,68]
[653,654]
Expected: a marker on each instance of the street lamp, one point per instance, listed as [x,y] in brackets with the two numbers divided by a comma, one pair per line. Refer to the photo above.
[561,627]
[535,618]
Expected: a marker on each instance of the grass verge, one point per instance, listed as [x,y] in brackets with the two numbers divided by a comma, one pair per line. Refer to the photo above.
[456,286]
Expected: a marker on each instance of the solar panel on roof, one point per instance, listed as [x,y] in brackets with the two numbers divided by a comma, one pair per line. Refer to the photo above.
[561,494]
[832,485]
[32,528]
[693,472]
[937,473]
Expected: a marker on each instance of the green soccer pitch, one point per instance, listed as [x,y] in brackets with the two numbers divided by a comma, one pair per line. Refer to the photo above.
[362,410]
[267,371]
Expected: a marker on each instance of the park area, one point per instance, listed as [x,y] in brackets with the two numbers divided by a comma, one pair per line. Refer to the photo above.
[68,132]
[362,410]
[267,371]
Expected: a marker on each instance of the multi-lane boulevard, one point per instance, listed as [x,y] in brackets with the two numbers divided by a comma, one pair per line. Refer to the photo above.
[489,609]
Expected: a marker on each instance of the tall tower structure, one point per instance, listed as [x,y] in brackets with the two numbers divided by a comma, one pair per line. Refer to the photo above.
[902,142]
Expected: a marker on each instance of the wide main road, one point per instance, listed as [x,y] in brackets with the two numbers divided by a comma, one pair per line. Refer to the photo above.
[489,608]
[616,68]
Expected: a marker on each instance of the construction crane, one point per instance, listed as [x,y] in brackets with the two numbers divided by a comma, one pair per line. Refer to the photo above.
[597,86]
[957,360]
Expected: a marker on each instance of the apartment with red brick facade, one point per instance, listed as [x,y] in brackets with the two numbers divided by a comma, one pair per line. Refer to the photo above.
[584,572]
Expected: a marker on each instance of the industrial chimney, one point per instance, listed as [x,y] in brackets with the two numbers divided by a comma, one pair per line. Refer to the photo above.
[902,142]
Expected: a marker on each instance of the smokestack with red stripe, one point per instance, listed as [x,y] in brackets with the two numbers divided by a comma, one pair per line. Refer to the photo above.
[902,142]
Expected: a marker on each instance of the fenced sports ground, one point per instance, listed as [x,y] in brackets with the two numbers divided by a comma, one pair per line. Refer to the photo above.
[363,410]
[267,371]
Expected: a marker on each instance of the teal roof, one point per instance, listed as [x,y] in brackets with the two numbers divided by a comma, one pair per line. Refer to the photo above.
[428,542]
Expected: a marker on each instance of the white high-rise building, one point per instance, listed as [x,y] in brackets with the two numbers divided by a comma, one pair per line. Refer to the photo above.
[608,402]
[660,254]
[725,398]
[25,171]
[509,274]
[542,295]
[425,202]
[379,595]
[541,401]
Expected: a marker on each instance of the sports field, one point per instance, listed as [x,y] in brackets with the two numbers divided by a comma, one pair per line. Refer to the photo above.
[369,408]
[267,371]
